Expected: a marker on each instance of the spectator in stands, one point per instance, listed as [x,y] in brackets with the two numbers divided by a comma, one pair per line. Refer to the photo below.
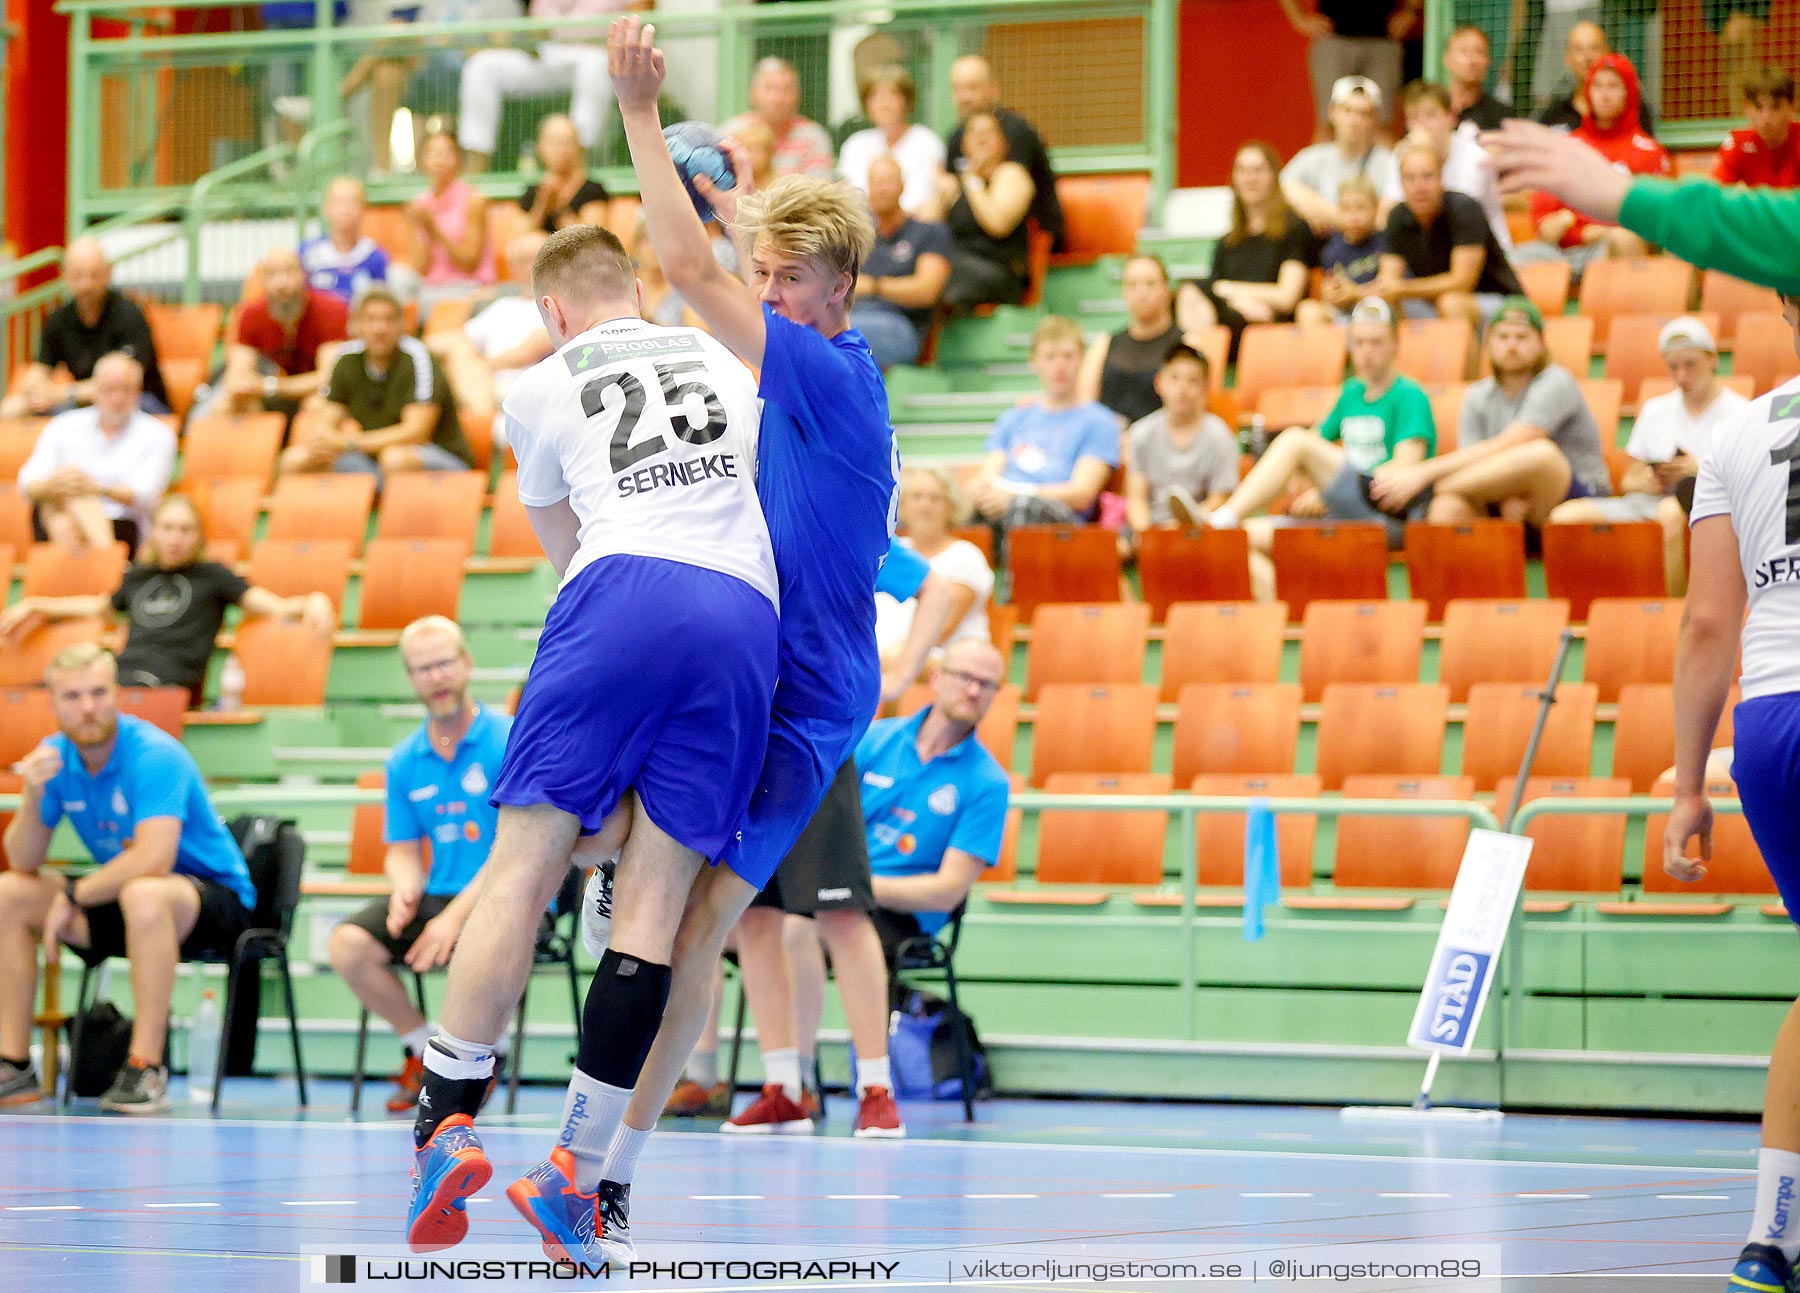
[388,406]
[1351,258]
[890,98]
[931,507]
[274,342]
[1767,152]
[96,320]
[566,195]
[343,260]
[799,145]
[437,806]
[1180,455]
[170,883]
[1466,166]
[1526,441]
[985,203]
[450,255]
[501,340]
[1261,266]
[1311,179]
[1467,58]
[973,90]
[1670,436]
[759,145]
[573,59]
[1586,45]
[95,473]
[1740,26]
[173,602]
[1610,127]
[1351,38]
[1048,459]
[903,279]
[1442,257]
[1120,370]
[1379,430]
[662,303]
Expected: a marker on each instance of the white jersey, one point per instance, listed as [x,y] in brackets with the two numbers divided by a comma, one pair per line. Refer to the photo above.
[1752,475]
[650,433]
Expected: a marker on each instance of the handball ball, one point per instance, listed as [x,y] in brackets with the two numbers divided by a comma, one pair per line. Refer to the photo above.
[694,148]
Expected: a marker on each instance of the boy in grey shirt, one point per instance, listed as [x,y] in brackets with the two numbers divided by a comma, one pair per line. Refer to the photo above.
[1181,451]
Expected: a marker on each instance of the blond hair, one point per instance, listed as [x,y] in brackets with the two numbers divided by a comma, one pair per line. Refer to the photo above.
[583,262]
[960,508]
[1055,328]
[1419,142]
[825,221]
[76,657]
[439,624]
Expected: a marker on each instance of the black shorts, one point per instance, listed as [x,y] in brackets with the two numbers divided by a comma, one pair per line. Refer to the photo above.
[222,918]
[371,917]
[828,867]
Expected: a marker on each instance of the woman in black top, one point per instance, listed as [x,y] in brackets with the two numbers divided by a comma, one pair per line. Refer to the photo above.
[1260,267]
[985,207]
[173,603]
[1120,370]
[565,195]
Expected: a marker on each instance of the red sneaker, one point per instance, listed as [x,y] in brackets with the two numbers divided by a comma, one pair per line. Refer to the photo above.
[878,1117]
[772,1114]
[691,1100]
[408,1082]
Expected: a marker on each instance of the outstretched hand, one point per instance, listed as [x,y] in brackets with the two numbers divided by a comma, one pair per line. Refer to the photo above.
[1528,156]
[635,63]
[725,201]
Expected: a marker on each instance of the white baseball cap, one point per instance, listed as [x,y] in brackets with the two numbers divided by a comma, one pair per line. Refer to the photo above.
[1345,86]
[1686,333]
[1372,309]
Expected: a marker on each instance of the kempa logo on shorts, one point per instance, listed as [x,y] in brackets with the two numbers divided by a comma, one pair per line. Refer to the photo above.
[833,895]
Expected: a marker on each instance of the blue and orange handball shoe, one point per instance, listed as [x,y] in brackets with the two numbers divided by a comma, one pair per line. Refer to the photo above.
[451,1167]
[575,1227]
[1761,1269]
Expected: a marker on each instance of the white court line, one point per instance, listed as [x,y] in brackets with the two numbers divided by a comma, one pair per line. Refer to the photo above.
[1710,1198]
[1142,1195]
[1409,1194]
[708,1198]
[1557,1194]
[45,1207]
[322,1203]
[1008,1196]
[181,1205]
[862,1196]
[1274,1194]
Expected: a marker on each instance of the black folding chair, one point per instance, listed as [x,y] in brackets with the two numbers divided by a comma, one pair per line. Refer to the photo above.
[933,957]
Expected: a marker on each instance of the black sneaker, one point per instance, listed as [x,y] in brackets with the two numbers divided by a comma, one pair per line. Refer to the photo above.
[139,1088]
[19,1085]
[613,1235]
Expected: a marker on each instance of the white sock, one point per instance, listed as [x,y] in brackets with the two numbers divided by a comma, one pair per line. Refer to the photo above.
[622,1156]
[592,1112]
[873,1072]
[1776,1221]
[782,1068]
[415,1040]
[460,1061]
[1223,518]
[808,1065]
[703,1067]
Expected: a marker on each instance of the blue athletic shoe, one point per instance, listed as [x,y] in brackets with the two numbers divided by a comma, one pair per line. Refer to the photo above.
[451,1167]
[574,1226]
[1761,1269]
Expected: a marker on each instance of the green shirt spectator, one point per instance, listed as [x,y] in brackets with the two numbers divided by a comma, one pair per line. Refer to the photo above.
[1371,429]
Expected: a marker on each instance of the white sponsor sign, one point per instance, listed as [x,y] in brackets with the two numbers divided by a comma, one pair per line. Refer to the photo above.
[1468,946]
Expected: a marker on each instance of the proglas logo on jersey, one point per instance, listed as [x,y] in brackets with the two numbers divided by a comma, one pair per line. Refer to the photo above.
[586,358]
[1784,409]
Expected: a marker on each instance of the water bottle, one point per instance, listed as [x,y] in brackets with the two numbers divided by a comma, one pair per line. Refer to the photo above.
[203,1049]
[1259,436]
[231,684]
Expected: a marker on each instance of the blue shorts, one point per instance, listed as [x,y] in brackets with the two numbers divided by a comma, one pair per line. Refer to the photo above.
[805,754]
[653,676]
[1765,764]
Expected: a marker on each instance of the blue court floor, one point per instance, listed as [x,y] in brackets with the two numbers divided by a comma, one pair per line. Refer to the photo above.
[189,1203]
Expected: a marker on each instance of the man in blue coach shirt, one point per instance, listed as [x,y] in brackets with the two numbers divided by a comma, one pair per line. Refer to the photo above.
[170,883]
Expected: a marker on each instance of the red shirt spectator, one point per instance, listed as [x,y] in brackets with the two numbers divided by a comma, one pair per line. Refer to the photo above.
[1616,136]
[323,318]
[1747,158]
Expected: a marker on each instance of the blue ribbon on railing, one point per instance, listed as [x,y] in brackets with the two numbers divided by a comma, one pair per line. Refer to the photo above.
[1262,867]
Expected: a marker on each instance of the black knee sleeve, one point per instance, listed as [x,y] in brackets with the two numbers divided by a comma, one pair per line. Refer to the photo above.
[625,1004]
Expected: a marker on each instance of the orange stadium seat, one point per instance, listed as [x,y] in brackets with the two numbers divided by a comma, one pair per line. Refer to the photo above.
[1062,563]
[449,315]
[1003,623]
[1743,383]
[1345,641]
[392,230]
[1644,733]
[15,519]
[1215,344]
[1498,727]
[1222,642]
[22,663]
[1286,354]
[1730,298]
[1093,729]
[164,707]
[285,662]
[1380,728]
[1570,340]
[1603,559]
[17,438]
[1547,285]
[1633,353]
[509,525]
[25,719]
[1483,558]
[1401,852]
[1203,565]
[1006,868]
[1236,728]
[1220,836]
[432,505]
[368,822]
[322,507]
[1281,407]
[185,331]
[1087,644]
[229,508]
[1101,215]
[1038,242]
[7,558]
[1330,561]
[232,446]
[998,728]
[1631,640]
[404,579]
[1572,853]
[1736,865]
[982,536]
[1638,285]
[1435,350]
[295,567]
[52,571]
[181,379]
[1764,349]
[1094,846]
[1446,411]
[1605,397]
[1494,640]
[478,429]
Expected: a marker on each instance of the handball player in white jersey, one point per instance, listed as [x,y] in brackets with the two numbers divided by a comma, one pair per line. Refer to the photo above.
[649,699]
[1746,551]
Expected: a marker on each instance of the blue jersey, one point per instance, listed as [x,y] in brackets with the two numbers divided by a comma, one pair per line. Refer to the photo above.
[826,476]
[149,774]
[915,812]
[903,573]
[343,273]
[447,802]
